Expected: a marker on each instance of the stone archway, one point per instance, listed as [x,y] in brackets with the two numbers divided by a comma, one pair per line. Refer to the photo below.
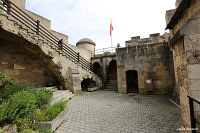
[97,69]
[132,81]
[112,70]
[86,83]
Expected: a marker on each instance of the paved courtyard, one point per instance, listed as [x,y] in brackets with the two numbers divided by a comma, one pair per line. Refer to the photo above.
[112,112]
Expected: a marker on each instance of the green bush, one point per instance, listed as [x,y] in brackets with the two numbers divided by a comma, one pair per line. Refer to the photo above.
[51,112]
[27,122]
[2,112]
[43,97]
[19,103]
[18,106]
[9,90]
[22,103]
[27,125]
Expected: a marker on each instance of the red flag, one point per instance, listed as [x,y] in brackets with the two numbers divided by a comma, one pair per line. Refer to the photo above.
[111,28]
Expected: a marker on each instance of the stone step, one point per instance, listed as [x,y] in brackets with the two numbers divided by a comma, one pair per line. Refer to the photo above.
[59,95]
[64,95]
[67,97]
[111,87]
[111,84]
[108,87]
[53,88]
[112,81]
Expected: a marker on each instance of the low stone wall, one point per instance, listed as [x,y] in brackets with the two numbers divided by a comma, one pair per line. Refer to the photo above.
[54,124]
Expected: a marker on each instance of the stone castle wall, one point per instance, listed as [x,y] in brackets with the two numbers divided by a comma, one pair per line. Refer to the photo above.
[185,44]
[169,14]
[153,38]
[85,53]
[153,61]
[104,61]
[60,36]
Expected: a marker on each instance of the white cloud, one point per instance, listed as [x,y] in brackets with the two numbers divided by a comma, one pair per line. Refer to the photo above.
[91,18]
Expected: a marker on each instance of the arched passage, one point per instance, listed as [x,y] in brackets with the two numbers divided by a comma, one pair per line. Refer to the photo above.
[112,70]
[132,81]
[86,83]
[97,69]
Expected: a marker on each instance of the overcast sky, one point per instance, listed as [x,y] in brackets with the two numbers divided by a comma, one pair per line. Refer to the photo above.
[91,18]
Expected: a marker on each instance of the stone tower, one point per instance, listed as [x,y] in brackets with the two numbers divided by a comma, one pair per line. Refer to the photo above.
[87,44]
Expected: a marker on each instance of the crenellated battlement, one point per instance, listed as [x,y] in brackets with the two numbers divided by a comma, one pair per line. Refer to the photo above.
[153,38]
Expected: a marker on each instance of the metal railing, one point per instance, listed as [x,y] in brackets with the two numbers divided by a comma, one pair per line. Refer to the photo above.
[105,50]
[10,8]
[192,115]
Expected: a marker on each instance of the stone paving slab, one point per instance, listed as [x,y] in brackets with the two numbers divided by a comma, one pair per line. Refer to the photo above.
[112,112]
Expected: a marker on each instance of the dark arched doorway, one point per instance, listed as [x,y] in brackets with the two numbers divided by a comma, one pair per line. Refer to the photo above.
[111,79]
[112,70]
[132,81]
[97,69]
[86,83]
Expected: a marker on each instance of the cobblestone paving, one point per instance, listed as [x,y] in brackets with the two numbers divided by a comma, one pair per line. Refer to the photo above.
[112,112]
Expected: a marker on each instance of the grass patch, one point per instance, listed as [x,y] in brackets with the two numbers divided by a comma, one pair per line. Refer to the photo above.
[51,112]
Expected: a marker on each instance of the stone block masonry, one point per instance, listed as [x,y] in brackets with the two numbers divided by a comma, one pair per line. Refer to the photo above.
[28,68]
[185,43]
[152,62]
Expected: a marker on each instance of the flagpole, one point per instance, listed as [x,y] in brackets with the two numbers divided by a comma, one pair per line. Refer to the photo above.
[111,40]
[111,36]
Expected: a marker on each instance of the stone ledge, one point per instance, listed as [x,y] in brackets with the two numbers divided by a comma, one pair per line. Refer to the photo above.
[92,89]
[54,124]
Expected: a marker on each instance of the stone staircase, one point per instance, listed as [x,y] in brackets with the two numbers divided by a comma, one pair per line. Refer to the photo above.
[46,47]
[59,95]
[111,85]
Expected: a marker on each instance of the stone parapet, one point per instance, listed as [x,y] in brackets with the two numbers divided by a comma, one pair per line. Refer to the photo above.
[153,38]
